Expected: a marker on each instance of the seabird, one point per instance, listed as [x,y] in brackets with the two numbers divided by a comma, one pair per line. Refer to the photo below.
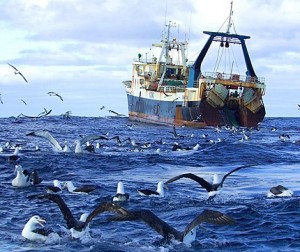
[84,140]
[18,72]
[24,178]
[55,188]
[82,189]
[1,99]
[33,233]
[15,156]
[121,195]
[55,94]
[24,102]
[168,232]
[280,191]
[80,228]
[46,134]
[212,189]
[114,112]
[159,191]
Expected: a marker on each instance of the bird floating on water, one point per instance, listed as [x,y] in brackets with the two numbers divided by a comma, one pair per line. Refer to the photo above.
[149,192]
[121,195]
[18,72]
[280,191]
[24,178]
[32,232]
[82,189]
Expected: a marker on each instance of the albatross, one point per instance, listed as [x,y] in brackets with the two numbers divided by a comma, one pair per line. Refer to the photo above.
[33,232]
[121,195]
[82,189]
[168,232]
[24,178]
[280,191]
[212,188]
[149,192]
[18,72]
[80,228]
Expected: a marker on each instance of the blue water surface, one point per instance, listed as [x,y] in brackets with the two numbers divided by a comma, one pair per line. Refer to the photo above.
[262,224]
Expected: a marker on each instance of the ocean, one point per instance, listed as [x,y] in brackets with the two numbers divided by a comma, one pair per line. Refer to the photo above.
[261,223]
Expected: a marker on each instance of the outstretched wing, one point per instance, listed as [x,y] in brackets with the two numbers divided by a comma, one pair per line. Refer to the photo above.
[68,216]
[91,137]
[106,207]
[23,76]
[234,170]
[209,216]
[194,177]
[45,134]
[151,219]
[13,67]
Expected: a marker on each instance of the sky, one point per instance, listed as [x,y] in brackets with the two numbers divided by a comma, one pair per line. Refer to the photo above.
[83,50]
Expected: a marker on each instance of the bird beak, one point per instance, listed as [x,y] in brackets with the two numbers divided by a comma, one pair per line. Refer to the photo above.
[42,222]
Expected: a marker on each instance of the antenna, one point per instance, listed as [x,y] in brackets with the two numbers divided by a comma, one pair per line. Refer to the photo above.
[229,19]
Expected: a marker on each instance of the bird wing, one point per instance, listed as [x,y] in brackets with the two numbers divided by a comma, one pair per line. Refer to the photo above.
[209,216]
[46,134]
[23,76]
[147,192]
[34,178]
[151,219]
[106,207]
[236,169]
[85,188]
[91,137]
[13,67]
[194,177]
[68,216]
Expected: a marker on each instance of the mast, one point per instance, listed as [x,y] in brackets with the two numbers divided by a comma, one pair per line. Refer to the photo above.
[229,18]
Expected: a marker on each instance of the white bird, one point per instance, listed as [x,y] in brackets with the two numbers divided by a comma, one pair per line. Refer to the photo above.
[82,189]
[121,195]
[33,233]
[22,178]
[159,191]
[55,188]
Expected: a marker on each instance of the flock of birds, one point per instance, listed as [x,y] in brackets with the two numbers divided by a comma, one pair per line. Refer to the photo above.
[34,229]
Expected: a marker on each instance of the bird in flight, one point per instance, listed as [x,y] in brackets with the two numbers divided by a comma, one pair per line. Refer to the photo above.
[17,72]
[55,94]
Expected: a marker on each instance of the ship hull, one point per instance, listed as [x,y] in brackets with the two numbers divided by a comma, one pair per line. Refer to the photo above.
[198,114]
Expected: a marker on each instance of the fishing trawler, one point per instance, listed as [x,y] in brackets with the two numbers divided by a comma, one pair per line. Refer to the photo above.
[165,91]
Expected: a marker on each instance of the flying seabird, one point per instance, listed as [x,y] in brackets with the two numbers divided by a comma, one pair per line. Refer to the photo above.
[55,94]
[212,189]
[82,189]
[168,232]
[33,233]
[24,102]
[280,191]
[114,112]
[159,191]
[18,72]
[121,195]
[80,228]
[1,99]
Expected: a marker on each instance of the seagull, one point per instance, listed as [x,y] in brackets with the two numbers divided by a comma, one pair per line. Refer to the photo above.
[80,228]
[18,72]
[148,192]
[212,189]
[55,94]
[33,233]
[168,232]
[121,195]
[82,189]
[280,191]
